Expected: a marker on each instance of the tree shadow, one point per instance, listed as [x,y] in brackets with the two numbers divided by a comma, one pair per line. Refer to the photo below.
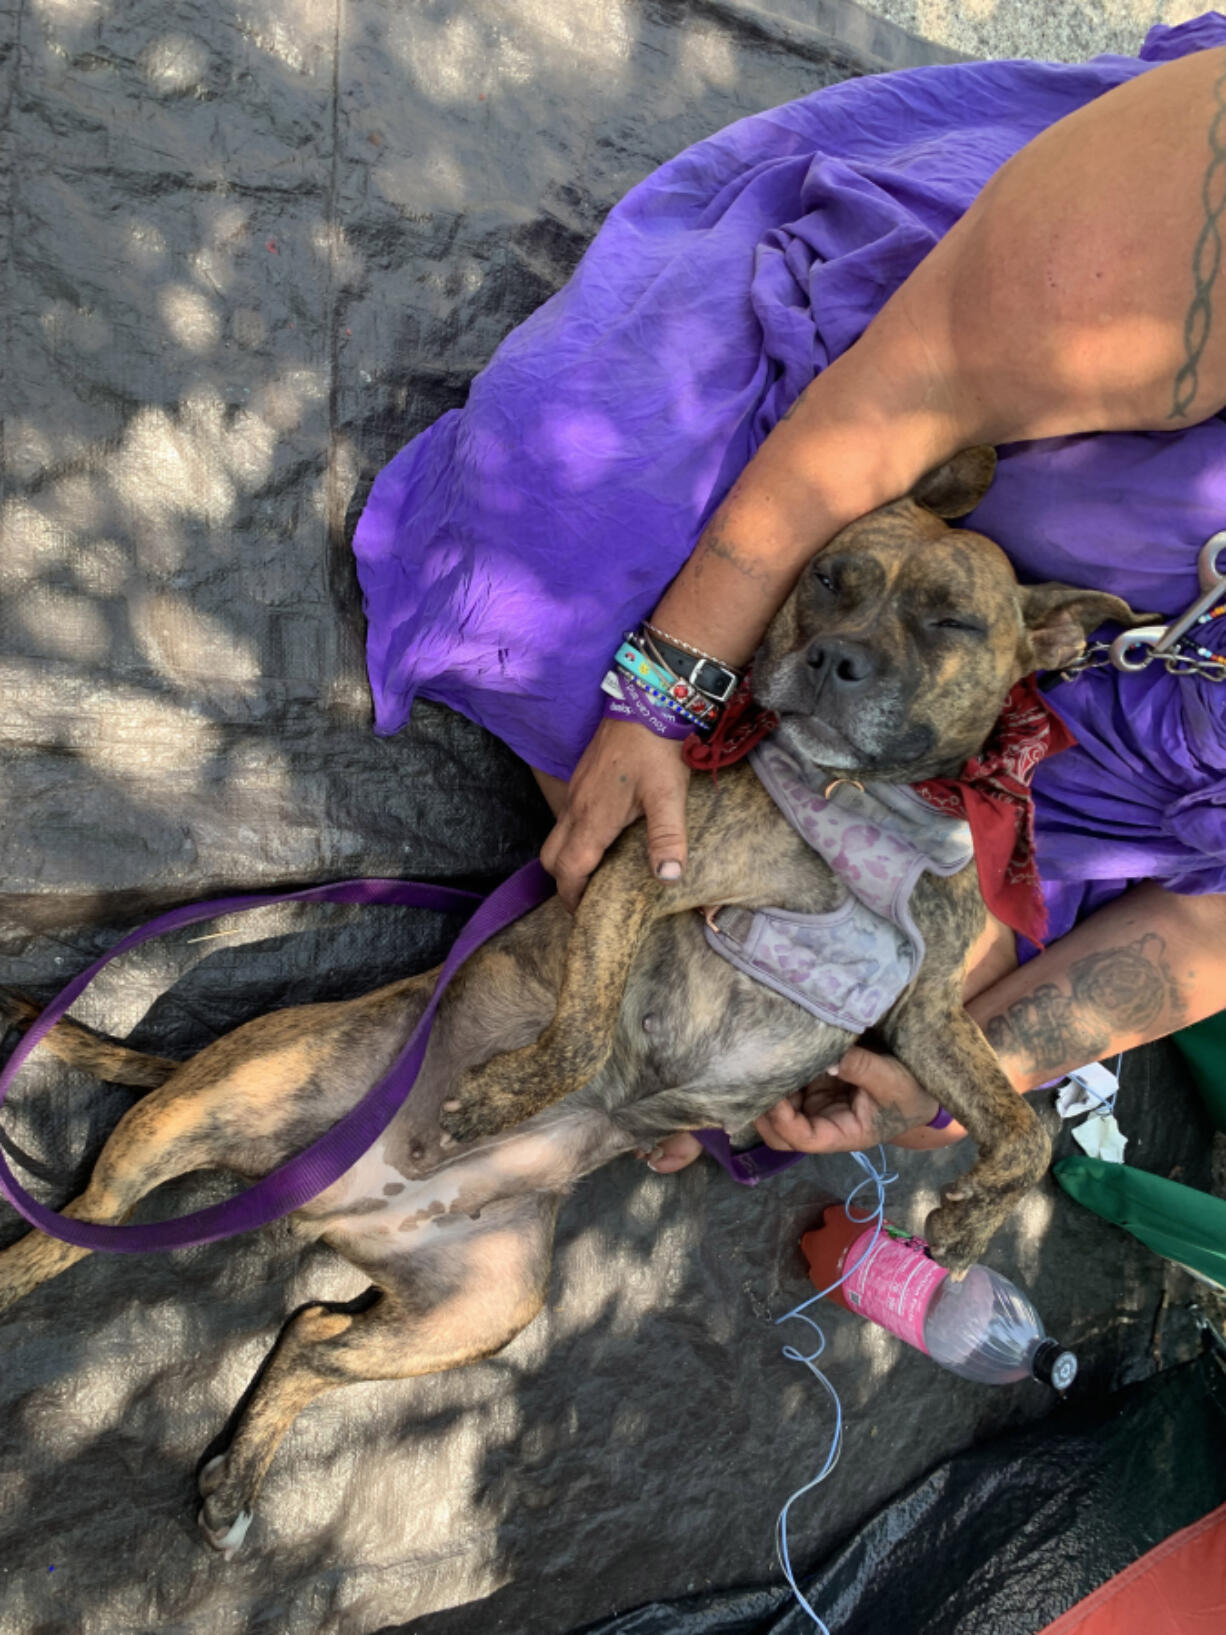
[256,248]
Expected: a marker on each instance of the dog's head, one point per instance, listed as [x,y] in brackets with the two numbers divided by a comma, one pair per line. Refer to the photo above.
[895,651]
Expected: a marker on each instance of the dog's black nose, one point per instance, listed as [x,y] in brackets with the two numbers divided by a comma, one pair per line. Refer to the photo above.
[840,663]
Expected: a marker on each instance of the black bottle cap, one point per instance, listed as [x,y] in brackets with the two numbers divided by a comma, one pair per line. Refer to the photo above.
[1053,1365]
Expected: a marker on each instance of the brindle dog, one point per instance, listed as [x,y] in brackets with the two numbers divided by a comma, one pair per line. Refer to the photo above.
[566,1042]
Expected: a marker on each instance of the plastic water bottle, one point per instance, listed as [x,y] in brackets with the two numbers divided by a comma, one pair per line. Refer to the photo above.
[982,1327]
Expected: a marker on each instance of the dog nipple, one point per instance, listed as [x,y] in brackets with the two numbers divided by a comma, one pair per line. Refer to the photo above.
[650,1023]
[417,1150]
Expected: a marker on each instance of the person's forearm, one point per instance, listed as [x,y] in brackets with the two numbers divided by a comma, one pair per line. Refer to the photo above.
[1079,293]
[1146,964]
[855,440]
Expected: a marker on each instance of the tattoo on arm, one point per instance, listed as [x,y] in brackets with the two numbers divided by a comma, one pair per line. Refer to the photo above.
[889,1122]
[1206,261]
[1128,990]
[715,542]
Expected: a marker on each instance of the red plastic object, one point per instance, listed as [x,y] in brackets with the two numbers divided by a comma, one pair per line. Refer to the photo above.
[1178,1588]
[825,1248]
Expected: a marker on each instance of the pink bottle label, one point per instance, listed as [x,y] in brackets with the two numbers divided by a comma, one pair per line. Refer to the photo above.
[894,1285]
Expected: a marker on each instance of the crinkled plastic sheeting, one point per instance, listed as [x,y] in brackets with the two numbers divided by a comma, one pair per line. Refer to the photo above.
[251,246]
[1005,1538]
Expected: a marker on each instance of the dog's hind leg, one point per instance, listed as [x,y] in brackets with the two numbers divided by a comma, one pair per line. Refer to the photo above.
[155,1141]
[439,1307]
[954,1062]
[245,1104]
[107,1060]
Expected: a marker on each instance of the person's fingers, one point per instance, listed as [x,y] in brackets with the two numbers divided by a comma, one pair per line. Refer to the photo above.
[554,842]
[866,1068]
[675,1153]
[783,1126]
[887,1082]
[664,806]
[623,772]
[575,847]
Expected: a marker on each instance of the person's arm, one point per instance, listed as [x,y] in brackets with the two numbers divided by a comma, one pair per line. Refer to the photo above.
[1146,964]
[1077,294]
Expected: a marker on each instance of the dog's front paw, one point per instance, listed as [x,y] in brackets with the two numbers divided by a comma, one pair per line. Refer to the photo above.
[463,1118]
[483,1103]
[960,1230]
[222,1518]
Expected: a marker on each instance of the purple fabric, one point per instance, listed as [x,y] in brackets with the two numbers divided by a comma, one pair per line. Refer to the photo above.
[326,1160]
[504,551]
[756,1164]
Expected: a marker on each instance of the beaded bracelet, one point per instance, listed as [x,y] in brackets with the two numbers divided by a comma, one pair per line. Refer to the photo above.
[669,703]
[1206,618]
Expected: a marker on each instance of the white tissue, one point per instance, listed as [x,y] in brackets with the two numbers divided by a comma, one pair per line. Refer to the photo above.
[1101,1138]
[1090,1089]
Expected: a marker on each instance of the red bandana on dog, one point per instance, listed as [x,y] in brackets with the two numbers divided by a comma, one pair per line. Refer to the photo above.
[992,793]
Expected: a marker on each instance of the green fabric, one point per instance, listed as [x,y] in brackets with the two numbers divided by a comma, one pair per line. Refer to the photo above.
[1174,1221]
[1204,1047]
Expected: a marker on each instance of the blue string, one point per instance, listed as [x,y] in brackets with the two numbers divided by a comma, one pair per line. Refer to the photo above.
[878,1179]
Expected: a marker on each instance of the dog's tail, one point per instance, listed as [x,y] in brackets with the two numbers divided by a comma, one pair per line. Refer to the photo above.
[76,1045]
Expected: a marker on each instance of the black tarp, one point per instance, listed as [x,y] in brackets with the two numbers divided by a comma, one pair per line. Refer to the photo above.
[251,246]
[1004,1538]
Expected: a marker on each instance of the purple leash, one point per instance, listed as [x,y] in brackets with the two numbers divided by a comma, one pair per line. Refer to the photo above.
[326,1160]
[323,1163]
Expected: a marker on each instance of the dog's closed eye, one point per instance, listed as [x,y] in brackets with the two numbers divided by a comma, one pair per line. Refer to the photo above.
[950,623]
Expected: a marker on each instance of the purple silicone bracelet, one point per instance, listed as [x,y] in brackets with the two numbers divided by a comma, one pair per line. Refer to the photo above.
[941,1121]
[635,705]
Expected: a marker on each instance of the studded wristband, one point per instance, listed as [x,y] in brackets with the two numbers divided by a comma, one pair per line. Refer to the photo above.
[643,668]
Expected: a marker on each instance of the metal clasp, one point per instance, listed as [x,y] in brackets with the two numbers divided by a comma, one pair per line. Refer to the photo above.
[1157,639]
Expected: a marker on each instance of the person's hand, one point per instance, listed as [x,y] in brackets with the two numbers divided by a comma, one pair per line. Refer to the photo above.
[867,1099]
[626,772]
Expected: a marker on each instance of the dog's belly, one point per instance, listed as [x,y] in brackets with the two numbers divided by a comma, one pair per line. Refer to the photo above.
[698,1044]
[701,1044]
[375,1208]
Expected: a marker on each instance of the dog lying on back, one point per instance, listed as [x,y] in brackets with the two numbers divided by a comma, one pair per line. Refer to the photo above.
[565,1042]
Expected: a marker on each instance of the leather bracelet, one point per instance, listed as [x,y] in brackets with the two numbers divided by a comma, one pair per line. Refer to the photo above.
[675,641]
[715,680]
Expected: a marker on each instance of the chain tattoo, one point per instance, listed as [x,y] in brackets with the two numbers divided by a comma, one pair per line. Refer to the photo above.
[1116,991]
[1206,261]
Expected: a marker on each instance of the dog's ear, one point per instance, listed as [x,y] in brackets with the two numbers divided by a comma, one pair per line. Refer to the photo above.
[953,489]
[1060,617]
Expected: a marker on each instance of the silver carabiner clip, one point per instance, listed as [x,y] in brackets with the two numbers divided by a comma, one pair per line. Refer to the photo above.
[1157,639]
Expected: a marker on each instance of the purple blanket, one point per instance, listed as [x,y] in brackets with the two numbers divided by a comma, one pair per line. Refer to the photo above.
[504,551]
